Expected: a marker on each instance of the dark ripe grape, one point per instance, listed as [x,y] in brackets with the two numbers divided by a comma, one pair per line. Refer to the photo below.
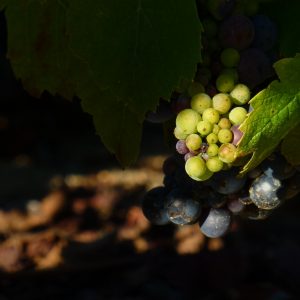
[153,206]
[182,209]
[180,103]
[265,32]
[214,199]
[236,32]
[217,223]
[227,182]
[252,212]
[265,192]
[169,182]
[181,147]
[170,165]
[254,67]
[162,114]
[220,8]
[183,180]
[237,134]
[277,167]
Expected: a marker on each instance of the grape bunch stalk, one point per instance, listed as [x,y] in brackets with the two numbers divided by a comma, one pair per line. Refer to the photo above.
[201,181]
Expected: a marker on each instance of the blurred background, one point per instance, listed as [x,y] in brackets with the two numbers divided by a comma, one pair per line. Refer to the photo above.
[71,226]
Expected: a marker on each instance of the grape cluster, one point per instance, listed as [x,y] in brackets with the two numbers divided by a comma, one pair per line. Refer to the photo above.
[214,203]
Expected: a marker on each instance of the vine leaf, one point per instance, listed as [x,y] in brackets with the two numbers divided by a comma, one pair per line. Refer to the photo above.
[276,112]
[290,146]
[119,57]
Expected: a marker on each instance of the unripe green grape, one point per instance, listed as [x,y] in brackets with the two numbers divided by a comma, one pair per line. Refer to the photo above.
[204,127]
[230,57]
[225,136]
[222,103]
[212,138]
[195,167]
[205,176]
[211,115]
[231,72]
[227,153]
[179,134]
[225,83]
[193,142]
[195,88]
[224,123]
[200,102]
[240,94]
[214,164]
[187,121]
[237,115]
[212,150]
[216,129]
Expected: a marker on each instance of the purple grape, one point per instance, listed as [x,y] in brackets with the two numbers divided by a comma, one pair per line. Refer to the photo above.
[254,67]
[265,33]
[189,155]
[182,209]
[236,32]
[237,134]
[235,206]
[217,223]
[153,206]
[162,114]
[181,147]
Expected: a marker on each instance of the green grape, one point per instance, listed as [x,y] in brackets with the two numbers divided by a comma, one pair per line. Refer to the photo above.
[230,57]
[193,142]
[225,83]
[216,129]
[195,88]
[187,121]
[210,27]
[195,167]
[214,164]
[237,115]
[224,123]
[212,150]
[232,72]
[212,138]
[200,102]
[240,94]
[204,127]
[227,153]
[225,136]
[205,176]
[179,134]
[211,115]
[222,103]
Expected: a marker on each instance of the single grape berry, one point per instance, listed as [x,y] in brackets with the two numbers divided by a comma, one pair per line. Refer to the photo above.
[225,136]
[195,167]
[211,115]
[214,164]
[193,142]
[240,94]
[237,115]
[182,209]
[212,150]
[187,121]
[232,72]
[264,192]
[179,134]
[221,103]
[225,83]
[216,129]
[230,57]
[200,102]
[204,127]
[224,123]
[212,138]
[227,153]
[181,147]
[217,223]
[153,206]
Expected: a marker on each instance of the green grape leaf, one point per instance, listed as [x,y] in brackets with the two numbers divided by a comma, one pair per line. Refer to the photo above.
[290,146]
[276,112]
[119,57]
[285,14]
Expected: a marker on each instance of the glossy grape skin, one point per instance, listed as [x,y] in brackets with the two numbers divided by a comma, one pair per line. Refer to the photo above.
[265,32]
[264,192]
[195,167]
[237,115]
[187,121]
[217,223]
[254,67]
[153,206]
[162,113]
[227,182]
[236,32]
[278,167]
[182,210]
